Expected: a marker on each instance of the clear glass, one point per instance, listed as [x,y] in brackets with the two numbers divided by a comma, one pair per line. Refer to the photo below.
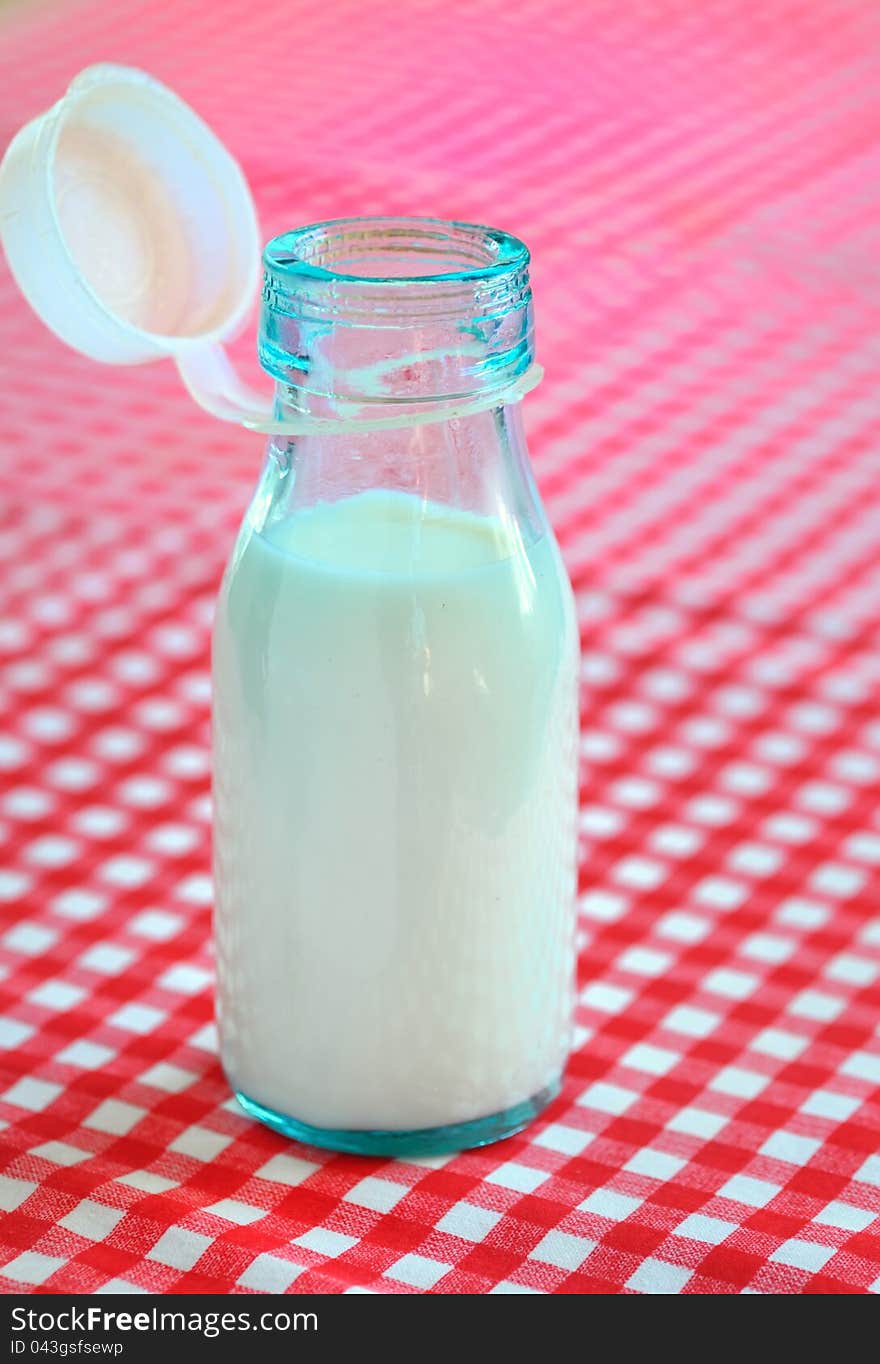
[395,709]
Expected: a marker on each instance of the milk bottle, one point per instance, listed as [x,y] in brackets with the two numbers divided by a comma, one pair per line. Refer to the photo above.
[395,709]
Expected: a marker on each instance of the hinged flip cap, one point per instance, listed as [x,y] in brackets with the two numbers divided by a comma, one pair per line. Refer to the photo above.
[132,233]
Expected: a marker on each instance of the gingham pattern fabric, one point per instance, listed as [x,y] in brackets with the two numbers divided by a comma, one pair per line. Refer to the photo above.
[700,184]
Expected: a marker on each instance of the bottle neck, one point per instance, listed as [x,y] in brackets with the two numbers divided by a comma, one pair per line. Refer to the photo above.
[397,346]
[477,463]
[377,319]
[367,378]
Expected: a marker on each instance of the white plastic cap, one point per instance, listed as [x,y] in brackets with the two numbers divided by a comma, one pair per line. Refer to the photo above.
[132,233]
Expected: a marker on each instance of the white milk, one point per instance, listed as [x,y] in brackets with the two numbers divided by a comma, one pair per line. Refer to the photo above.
[395,719]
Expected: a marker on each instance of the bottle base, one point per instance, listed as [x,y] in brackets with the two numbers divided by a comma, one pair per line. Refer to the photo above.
[425,1141]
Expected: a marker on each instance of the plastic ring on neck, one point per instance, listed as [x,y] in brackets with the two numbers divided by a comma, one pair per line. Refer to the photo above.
[332,426]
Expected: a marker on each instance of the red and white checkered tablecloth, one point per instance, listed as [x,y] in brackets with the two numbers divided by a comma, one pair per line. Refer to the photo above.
[700,184]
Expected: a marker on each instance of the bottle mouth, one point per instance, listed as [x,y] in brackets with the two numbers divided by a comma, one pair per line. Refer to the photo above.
[395,251]
[396,310]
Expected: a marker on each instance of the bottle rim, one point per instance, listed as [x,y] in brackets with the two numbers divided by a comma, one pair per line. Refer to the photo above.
[321,251]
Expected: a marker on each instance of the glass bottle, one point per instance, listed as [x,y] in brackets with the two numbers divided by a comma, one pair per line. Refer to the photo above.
[395,714]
